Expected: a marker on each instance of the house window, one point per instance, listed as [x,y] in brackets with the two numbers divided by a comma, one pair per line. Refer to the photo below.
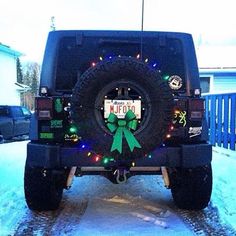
[205,84]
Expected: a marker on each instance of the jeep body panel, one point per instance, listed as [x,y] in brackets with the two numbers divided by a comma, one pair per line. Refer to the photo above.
[55,156]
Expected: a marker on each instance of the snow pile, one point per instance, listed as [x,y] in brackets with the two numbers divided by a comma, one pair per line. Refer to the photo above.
[224,182]
[12,203]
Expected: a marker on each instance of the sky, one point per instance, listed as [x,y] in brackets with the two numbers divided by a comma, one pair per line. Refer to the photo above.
[24,24]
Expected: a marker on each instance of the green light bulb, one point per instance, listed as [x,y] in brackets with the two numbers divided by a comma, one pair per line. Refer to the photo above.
[166,77]
[73,129]
[105,160]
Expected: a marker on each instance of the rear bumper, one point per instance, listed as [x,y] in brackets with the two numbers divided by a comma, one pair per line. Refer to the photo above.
[54,156]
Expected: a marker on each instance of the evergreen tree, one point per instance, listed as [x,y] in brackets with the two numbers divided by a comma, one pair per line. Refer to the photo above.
[19,71]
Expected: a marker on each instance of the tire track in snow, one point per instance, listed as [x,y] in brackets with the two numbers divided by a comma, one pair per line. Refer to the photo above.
[12,207]
[37,223]
[52,222]
[205,222]
[69,219]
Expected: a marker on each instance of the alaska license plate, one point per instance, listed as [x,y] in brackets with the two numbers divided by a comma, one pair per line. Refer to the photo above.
[121,107]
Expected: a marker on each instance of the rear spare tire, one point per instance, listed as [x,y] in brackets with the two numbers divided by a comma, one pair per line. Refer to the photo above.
[122,78]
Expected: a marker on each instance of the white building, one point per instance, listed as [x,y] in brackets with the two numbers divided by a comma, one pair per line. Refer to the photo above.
[9,90]
[217,67]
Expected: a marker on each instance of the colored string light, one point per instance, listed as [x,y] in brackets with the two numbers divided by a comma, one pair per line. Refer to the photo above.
[89,154]
[97,158]
[166,77]
[73,129]
[154,65]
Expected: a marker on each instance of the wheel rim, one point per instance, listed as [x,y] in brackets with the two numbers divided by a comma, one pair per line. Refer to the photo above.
[123,90]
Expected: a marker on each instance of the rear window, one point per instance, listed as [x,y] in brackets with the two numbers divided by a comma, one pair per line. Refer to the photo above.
[74,59]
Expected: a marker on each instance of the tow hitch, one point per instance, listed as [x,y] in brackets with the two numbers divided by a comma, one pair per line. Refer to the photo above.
[121,175]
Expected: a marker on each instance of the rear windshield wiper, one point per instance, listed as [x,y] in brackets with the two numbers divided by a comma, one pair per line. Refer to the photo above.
[117,41]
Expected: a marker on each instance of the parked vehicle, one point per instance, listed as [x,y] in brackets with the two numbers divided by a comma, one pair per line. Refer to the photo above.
[14,121]
[111,104]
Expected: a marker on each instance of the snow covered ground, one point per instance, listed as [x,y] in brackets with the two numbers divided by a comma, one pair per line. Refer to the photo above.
[94,206]
[224,184]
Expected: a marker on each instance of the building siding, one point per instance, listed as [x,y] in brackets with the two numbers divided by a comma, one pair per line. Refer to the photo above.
[220,81]
[8,76]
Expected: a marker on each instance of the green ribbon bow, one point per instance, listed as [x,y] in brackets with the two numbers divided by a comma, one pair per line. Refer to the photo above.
[120,127]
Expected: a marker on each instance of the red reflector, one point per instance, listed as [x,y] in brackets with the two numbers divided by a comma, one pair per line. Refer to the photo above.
[196,115]
[44,108]
[44,114]
[196,105]
[43,103]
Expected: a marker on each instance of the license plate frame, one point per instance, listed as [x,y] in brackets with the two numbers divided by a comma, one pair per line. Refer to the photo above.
[121,107]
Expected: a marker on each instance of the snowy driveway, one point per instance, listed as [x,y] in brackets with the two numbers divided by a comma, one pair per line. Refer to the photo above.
[94,206]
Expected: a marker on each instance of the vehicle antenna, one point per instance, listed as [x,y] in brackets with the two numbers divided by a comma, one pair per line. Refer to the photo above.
[141,37]
[52,26]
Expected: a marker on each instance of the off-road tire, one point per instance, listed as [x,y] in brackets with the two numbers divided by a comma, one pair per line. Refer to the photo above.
[43,189]
[191,188]
[1,138]
[156,94]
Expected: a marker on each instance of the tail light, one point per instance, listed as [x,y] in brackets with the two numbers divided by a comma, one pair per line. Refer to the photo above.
[196,108]
[44,108]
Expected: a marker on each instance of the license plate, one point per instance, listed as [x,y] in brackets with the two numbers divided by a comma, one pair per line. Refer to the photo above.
[121,107]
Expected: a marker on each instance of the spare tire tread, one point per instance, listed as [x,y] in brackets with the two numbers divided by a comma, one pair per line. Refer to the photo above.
[96,78]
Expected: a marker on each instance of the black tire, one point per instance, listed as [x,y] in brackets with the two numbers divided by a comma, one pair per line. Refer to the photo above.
[191,188]
[1,138]
[43,189]
[88,97]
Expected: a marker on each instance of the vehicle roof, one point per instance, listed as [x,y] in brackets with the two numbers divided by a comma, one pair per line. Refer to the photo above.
[120,33]
[10,106]
[54,38]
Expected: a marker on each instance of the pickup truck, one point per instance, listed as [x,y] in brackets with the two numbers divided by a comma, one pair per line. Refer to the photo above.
[14,121]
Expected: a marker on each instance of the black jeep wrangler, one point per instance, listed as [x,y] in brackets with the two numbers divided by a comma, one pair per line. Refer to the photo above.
[118,104]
